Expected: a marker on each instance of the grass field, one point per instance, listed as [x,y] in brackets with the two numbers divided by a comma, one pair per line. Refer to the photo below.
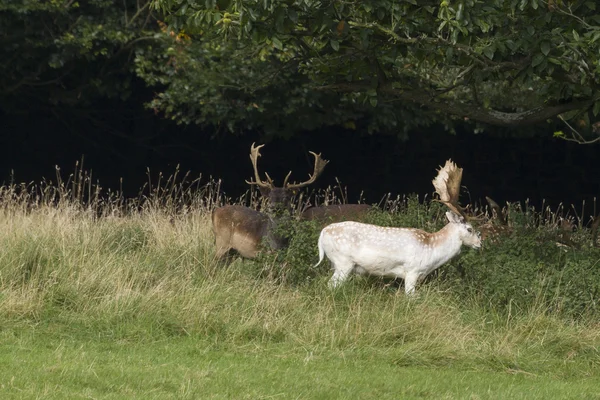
[46,364]
[134,306]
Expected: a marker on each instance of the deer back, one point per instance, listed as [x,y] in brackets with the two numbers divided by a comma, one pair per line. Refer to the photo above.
[336,213]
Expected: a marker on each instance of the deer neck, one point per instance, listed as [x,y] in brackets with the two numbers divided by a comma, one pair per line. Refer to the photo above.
[444,245]
[278,231]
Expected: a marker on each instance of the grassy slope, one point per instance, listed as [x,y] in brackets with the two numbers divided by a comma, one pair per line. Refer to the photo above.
[136,307]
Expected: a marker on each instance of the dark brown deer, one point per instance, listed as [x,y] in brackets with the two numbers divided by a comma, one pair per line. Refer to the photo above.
[336,213]
[243,229]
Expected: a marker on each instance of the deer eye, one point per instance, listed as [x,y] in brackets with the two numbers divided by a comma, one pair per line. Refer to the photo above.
[470,230]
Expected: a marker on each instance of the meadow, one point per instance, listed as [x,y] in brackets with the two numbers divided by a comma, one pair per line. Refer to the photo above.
[106,297]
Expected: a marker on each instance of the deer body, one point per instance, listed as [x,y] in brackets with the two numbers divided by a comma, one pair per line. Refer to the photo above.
[242,228]
[410,254]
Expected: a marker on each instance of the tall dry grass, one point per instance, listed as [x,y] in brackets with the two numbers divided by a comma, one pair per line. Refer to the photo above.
[144,269]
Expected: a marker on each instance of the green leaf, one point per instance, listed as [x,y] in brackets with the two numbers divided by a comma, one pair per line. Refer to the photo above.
[545,47]
[554,60]
[484,26]
[489,52]
[373,101]
[335,45]
[280,20]
[559,134]
[596,108]
[459,12]
[500,47]
[511,45]
[277,43]
[537,59]
[522,5]
[293,15]
[591,5]
[575,35]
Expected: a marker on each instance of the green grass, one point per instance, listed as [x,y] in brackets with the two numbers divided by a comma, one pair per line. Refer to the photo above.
[46,363]
[135,306]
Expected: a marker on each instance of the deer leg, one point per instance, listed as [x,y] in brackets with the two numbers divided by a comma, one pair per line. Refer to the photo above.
[341,272]
[221,248]
[221,251]
[410,282]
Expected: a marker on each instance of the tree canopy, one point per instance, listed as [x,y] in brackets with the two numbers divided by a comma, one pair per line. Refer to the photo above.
[388,64]
[286,66]
[65,53]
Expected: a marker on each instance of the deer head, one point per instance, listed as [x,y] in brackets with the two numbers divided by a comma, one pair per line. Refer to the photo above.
[447,186]
[279,197]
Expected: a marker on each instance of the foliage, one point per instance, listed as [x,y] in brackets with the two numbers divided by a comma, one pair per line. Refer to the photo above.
[211,82]
[66,53]
[526,268]
[284,67]
[503,62]
[295,264]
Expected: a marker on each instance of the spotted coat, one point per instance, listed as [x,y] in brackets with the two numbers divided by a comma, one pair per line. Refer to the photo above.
[410,254]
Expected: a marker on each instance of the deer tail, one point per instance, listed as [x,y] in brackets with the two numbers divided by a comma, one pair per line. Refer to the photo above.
[321,250]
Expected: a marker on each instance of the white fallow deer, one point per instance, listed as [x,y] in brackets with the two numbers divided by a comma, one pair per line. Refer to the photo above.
[243,229]
[407,253]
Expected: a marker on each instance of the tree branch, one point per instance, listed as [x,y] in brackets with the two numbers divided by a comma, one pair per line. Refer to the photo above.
[136,15]
[439,41]
[467,109]
[575,135]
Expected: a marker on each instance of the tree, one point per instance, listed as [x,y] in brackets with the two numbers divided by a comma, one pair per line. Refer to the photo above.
[65,53]
[508,63]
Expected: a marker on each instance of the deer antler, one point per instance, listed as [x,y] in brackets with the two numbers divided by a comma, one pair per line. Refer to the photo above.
[447,186]
[319,167]
[497,211]
[254,154]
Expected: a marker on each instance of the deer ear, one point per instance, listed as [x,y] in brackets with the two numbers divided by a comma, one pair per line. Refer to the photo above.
[455,218]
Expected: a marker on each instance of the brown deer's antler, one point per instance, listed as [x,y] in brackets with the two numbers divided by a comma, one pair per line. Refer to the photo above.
[497,211]
[447,186]
[319,167]
[254,154]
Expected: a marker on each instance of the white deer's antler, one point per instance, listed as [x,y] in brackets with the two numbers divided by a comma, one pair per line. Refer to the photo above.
[447,186]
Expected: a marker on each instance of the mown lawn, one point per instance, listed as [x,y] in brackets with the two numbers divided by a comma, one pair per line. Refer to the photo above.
[47,362]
